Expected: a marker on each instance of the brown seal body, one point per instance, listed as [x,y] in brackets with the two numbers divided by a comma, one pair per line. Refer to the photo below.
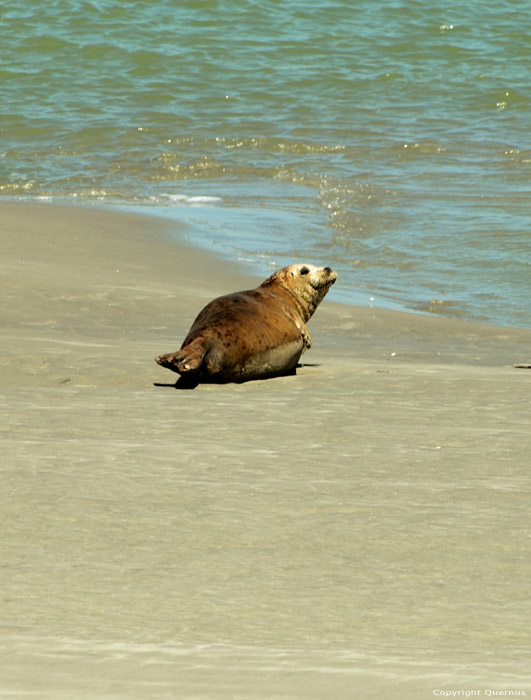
[254,334]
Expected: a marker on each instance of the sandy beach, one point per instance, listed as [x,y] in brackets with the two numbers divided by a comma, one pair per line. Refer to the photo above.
[361,529]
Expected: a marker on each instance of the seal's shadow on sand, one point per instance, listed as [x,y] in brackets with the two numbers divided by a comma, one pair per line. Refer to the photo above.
[181,383]
[188,382]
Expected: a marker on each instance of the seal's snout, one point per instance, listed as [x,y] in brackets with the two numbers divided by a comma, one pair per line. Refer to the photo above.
[332,274]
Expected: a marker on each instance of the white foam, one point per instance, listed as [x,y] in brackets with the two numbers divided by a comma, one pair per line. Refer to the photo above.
[188,199]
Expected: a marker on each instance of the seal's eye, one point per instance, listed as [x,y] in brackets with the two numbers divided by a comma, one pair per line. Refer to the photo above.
[304,271]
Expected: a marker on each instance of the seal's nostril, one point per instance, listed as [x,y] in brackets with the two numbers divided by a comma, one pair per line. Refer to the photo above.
[328,269]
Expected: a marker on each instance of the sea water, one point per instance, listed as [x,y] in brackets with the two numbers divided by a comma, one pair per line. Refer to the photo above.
[387,139]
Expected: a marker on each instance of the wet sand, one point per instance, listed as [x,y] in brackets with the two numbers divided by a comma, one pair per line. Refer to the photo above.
[361,529]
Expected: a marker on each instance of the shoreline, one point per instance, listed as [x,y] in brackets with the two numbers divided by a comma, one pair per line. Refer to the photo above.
[394,335]
[355,506]
[250,268]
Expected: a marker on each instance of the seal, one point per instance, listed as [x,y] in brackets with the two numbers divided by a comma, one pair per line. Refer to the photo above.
[254,334]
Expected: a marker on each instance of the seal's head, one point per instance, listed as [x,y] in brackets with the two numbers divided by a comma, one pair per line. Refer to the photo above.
[304,285]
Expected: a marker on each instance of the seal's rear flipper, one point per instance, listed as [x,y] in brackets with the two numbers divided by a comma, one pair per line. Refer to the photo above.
[187,359]
[165,361]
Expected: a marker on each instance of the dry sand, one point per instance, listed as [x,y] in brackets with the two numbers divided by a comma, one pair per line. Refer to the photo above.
[360,529]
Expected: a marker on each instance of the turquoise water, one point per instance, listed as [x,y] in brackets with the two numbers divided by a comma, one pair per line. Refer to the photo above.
[387,139]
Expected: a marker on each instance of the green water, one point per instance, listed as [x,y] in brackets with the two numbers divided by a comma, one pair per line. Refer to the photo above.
[388,139]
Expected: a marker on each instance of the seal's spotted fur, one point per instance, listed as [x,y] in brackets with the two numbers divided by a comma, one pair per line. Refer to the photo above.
[254,334]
